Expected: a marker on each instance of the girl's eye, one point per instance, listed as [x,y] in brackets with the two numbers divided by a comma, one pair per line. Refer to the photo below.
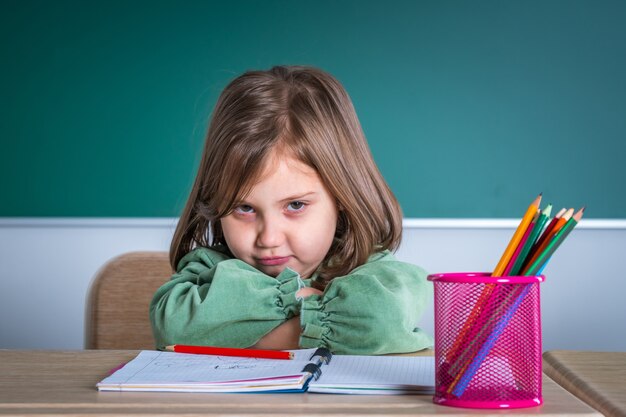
[296,206]
[244,208]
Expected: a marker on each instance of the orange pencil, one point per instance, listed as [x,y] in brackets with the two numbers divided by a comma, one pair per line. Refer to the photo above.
[223,351]
[521,244]
[517,237]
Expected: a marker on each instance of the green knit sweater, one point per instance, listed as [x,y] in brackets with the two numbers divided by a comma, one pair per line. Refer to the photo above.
[219,301]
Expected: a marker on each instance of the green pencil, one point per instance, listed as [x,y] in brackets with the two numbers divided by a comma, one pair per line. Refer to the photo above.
[534,234]
[554,243]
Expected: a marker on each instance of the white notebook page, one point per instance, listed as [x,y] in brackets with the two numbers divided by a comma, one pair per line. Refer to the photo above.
[153,367]
[378,371]
[153,370]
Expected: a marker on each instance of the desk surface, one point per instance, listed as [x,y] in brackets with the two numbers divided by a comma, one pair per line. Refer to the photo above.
[598,378]
[63,382]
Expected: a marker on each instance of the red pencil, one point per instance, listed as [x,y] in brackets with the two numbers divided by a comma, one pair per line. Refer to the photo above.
[223,351]
[545,233]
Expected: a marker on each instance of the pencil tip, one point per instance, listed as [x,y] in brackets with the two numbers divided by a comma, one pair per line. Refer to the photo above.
[579,214]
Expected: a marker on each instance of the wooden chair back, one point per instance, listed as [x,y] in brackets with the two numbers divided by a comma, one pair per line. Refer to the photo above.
[117,314]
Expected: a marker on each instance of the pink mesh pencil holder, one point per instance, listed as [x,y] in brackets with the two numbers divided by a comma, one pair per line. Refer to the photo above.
[487,340]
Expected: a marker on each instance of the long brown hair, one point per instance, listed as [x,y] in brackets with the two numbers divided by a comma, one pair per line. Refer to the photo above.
[307,111]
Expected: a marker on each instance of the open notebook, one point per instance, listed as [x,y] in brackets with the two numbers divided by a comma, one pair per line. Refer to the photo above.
[311,370]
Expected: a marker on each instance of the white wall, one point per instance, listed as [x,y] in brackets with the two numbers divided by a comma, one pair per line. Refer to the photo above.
[47,264]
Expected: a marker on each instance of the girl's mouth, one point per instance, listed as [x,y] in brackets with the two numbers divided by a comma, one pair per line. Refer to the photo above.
[274,260]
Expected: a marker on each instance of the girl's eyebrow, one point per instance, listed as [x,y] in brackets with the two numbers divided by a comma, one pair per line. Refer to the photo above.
[294,197]
[299,196]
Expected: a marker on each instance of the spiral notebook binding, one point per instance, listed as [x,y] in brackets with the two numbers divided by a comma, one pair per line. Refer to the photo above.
[313,369]
[323,353]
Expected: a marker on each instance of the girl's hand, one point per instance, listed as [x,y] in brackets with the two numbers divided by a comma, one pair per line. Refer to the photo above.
[307,291]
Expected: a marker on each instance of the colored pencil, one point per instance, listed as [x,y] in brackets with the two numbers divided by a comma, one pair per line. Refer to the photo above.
[223,351]
[550,235]
[534,235]
[462,379]
[484,296]
[517,237]
[544,234]
[521,244]
[556,241]
[470,370]
[475,338]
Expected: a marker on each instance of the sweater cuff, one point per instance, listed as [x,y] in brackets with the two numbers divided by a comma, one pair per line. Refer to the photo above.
[314,323]
[289,283]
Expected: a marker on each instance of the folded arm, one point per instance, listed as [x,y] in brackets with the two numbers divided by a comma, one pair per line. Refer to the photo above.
[217,301]
[373,310]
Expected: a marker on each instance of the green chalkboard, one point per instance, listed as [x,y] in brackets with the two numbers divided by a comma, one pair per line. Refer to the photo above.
[471,108]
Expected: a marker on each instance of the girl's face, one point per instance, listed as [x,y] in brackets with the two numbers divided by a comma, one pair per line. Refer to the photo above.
[287,220]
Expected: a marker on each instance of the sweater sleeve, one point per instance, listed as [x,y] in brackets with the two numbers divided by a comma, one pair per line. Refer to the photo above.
[217,301]
[371,311]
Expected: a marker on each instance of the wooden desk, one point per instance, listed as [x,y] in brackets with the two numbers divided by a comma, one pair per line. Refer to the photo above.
[63,382]
[598,378]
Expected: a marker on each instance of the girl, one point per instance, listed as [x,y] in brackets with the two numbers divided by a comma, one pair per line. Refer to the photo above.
[285,240]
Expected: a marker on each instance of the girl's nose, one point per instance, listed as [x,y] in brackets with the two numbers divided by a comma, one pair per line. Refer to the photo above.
[270,234]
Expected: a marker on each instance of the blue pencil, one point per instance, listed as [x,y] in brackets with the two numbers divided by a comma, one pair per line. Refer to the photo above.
[491,340]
